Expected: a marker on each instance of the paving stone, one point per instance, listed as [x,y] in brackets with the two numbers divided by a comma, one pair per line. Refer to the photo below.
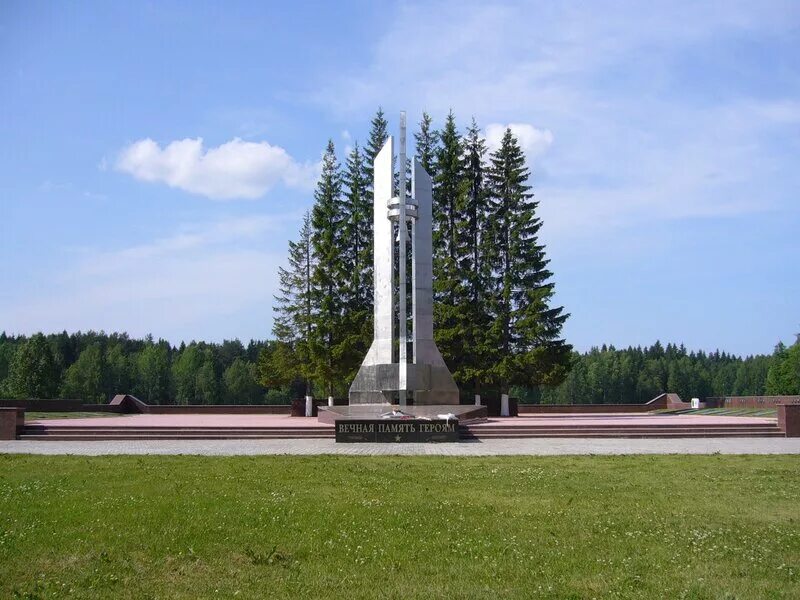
[491,447]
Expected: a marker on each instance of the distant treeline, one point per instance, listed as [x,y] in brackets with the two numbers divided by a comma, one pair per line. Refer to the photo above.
[606,375]
[95,366]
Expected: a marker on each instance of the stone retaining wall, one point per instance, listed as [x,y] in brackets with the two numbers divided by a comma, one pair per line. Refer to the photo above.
[750,401]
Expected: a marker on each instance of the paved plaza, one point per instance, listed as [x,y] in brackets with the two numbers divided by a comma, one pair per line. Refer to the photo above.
[285,421]
[491,447]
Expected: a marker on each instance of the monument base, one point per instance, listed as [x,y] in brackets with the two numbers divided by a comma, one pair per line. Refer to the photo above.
[426,384]
[397,430]
[465,413]
[420,424]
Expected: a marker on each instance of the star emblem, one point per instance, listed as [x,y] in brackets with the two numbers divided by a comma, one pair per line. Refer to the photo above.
[397,438]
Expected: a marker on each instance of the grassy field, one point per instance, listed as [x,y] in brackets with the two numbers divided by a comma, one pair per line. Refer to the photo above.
[393,527]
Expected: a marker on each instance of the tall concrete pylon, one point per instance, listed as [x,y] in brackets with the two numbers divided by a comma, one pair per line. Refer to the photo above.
[426,379]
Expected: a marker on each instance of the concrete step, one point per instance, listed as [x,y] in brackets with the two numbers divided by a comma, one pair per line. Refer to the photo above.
[468,432]
[617,430]
[179,429]
[686,434]
[620,425]
[242,429]
[219,436]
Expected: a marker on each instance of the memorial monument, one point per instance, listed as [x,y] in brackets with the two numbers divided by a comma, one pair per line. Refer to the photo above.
[403,223]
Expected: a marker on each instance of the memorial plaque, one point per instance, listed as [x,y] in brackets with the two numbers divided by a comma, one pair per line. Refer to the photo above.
[396,431]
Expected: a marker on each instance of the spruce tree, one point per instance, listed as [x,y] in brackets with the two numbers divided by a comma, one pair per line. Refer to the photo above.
[471,259]
[378,134]
[427,141]
[327,231]
[447,290]
[292,325]
[358,292]
[526,330]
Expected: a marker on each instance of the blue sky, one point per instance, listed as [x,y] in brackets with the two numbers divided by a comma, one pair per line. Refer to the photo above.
[156,157]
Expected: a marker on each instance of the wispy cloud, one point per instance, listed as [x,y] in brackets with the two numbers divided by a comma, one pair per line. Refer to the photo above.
[235,169]
[622,127]
[172,286]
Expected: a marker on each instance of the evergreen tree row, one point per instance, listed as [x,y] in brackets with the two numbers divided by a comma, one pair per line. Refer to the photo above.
[494,322]
[635,375]
[93,367]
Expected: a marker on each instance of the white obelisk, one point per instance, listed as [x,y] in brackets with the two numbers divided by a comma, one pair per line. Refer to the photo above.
[403,247]
[426,379]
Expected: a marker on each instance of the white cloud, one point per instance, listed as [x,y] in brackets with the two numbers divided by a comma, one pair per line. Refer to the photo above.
[534,142]
[235,169]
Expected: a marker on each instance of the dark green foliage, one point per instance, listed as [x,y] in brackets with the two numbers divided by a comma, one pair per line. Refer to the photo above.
[153,373]
[427,141]
[85,378]
[447,284]
[447,181]
[119,370]
[185,369]
[602,375]
[783,377]
[378,134]
[358,266]
[606,375]
[7,350]
[327,290]
[33,372]
[472,252]
[104,365]
[290,357]
[526,343]
[207,387]
[240,385]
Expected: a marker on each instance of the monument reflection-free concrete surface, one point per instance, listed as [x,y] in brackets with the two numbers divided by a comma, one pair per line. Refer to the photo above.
[386,373]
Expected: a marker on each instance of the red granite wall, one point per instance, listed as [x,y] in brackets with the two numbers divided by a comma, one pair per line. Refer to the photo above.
[750,401]
[526,409]
[51,405]
[789,419]
[12,420]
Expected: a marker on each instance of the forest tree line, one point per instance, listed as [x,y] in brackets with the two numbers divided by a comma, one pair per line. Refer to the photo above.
[94,367]
[606,375]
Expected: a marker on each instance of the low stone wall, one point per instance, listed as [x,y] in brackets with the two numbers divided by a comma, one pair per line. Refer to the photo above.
[218,409]
[750,401]
[12,420]
[125,403]
[525,409]
[51,405]
[661,402]
[789,419]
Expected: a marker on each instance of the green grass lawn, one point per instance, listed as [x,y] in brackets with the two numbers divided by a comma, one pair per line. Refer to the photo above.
[400,527]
